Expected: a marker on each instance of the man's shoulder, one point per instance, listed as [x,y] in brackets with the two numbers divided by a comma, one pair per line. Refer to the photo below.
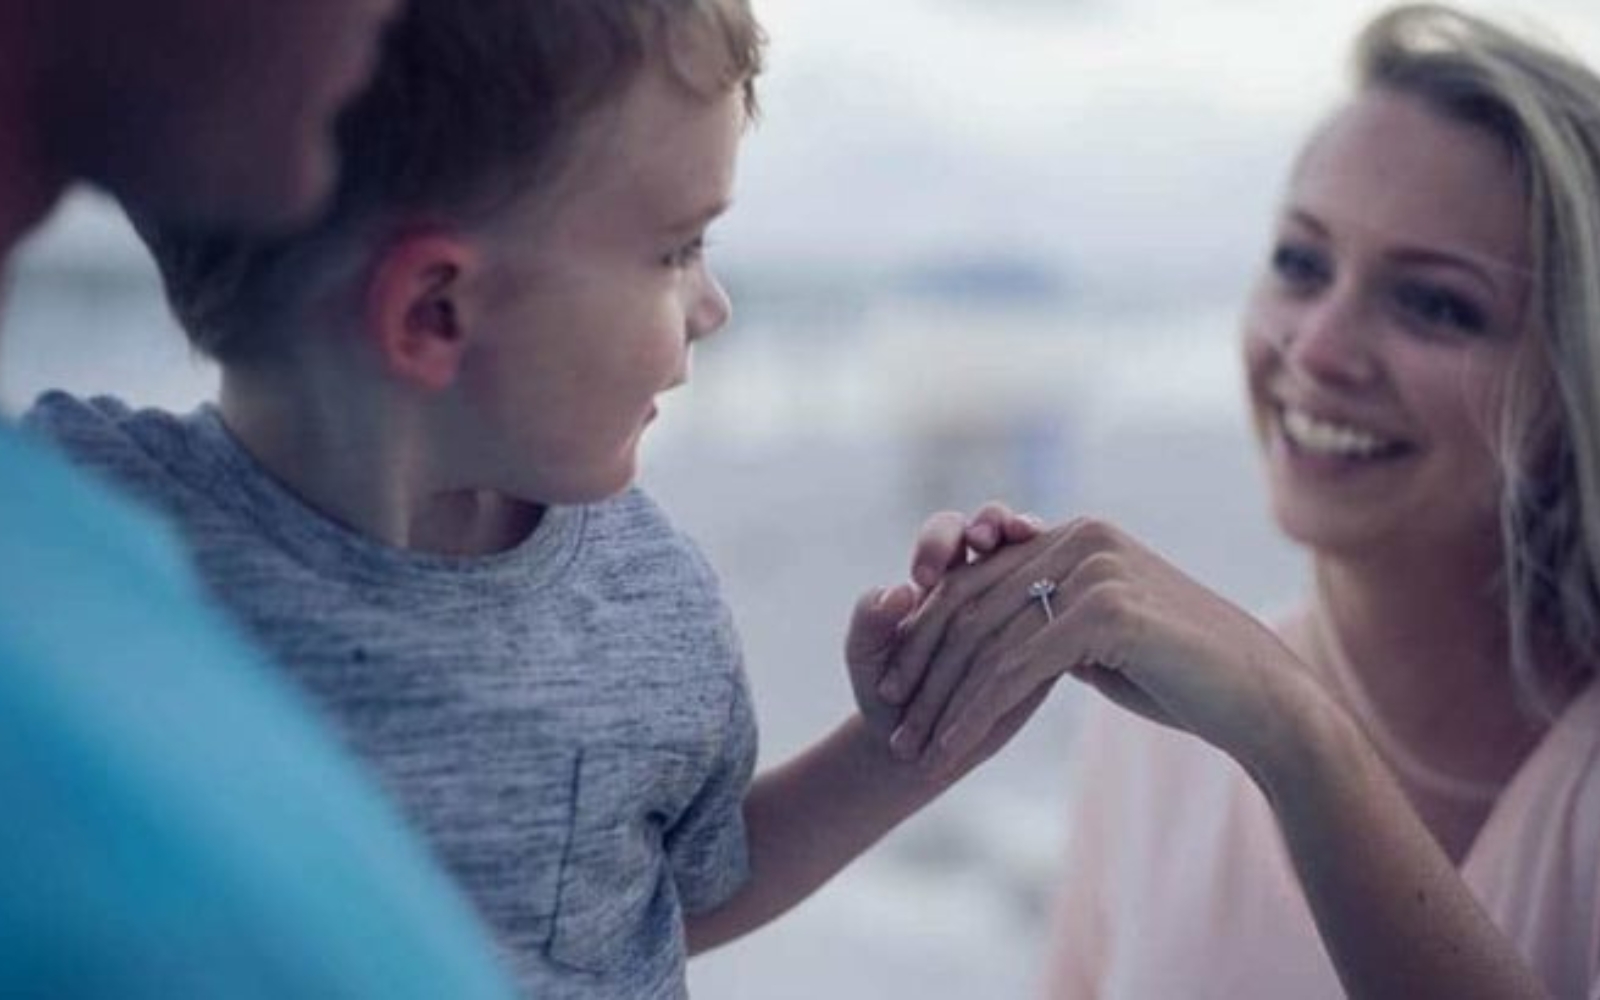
[54,516]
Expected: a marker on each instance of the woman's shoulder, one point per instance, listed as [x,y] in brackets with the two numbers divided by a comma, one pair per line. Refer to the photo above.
[1534,866]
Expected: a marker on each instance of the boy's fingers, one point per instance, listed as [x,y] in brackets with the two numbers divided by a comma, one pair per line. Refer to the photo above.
[945,537]
[874,628]
[995,524]
[983,536]
[1023,528]
[941,545]
[874,631]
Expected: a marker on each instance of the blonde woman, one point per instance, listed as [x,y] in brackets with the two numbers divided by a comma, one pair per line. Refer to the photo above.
[1396,792]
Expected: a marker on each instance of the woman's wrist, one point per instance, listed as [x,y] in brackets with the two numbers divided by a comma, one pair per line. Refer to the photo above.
[1307,739]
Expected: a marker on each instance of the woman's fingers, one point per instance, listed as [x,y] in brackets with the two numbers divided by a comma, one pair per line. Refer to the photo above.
[1097,625]
[940,666]
[945,769]
[959,593]
[979,672]
[995,632]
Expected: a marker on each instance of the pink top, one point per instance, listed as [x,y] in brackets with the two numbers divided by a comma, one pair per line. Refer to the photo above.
[1177,883]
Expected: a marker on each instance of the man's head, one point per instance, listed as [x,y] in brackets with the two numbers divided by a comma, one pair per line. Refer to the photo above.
[219,112]
[516,233]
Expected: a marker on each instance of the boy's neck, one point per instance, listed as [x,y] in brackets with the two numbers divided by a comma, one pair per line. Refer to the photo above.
[473,523]
[367,464]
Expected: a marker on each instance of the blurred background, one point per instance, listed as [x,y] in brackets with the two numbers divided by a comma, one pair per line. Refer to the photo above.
[981,248]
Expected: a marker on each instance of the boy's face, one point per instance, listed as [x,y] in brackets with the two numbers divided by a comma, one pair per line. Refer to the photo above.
[597,295]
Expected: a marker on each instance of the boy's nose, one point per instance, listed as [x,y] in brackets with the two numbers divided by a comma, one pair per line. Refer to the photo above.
[711,310]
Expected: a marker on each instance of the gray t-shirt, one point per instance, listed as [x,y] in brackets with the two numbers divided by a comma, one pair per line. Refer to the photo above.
[568,721]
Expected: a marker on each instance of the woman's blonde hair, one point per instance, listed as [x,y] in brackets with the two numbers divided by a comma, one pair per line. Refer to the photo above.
[1544,105]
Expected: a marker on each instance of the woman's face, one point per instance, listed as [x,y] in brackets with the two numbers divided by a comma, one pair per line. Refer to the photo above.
[1378,338]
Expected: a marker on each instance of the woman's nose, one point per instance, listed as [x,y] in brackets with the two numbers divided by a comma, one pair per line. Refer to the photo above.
[1330,338]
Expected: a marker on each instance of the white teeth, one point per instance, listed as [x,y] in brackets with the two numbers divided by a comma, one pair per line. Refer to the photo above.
[1324,438]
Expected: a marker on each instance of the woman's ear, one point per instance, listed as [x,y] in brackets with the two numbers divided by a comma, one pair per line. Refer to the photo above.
[414,312]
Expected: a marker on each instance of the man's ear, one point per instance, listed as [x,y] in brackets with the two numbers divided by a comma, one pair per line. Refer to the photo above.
[415,313]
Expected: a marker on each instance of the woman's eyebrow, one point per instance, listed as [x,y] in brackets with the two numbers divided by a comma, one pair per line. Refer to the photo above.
[1481,267]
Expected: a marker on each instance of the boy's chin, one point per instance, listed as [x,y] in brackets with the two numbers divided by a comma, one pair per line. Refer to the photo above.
[593,487]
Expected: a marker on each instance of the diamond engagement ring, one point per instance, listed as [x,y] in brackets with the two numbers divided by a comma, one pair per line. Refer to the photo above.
[1040,590]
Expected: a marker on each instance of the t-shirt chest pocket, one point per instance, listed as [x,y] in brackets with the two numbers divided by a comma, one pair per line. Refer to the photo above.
[500,818]
[616,902]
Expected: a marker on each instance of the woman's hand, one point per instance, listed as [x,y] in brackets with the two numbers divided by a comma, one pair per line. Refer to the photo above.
[1120,618]
[945,542]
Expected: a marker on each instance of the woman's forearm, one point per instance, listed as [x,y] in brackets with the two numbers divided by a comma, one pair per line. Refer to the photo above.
[1393,912]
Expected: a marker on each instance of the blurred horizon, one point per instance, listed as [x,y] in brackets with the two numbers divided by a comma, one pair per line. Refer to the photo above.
[980,248]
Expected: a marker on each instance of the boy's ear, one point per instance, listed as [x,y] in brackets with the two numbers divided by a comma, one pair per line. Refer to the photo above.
[415,313]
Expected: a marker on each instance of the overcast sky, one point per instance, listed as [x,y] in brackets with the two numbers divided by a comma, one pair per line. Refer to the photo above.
[1128,140]
[1124,142]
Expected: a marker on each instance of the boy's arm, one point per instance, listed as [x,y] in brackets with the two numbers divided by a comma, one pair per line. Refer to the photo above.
[807,819]
[811,816]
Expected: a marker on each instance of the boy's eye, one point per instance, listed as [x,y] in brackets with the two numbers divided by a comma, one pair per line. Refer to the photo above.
[1437,307]
[686,255]
[1300,268]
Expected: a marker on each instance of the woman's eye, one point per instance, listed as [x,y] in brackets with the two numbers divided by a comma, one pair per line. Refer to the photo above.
[1299,267]
[1439,307]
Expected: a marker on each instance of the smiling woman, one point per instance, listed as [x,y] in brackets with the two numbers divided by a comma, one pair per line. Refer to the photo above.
[1432,268]
[1382,331]
[1401,795]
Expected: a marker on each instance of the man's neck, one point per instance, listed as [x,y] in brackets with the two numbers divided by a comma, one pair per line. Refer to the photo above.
[30,178]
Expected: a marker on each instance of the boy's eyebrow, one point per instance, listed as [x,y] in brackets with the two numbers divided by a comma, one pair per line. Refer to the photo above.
[701,218]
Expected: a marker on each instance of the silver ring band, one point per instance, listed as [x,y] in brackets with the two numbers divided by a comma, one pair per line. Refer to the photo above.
[1041,590]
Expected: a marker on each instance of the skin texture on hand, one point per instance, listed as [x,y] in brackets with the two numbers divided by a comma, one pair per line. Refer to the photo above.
[1124,620]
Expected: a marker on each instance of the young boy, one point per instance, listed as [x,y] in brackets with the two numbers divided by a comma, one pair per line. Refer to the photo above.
[415,488]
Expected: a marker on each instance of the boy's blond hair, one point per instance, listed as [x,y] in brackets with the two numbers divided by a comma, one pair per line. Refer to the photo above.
[475,103]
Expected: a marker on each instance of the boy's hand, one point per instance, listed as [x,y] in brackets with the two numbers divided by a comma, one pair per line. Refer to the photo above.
[947,540]
[873,637]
